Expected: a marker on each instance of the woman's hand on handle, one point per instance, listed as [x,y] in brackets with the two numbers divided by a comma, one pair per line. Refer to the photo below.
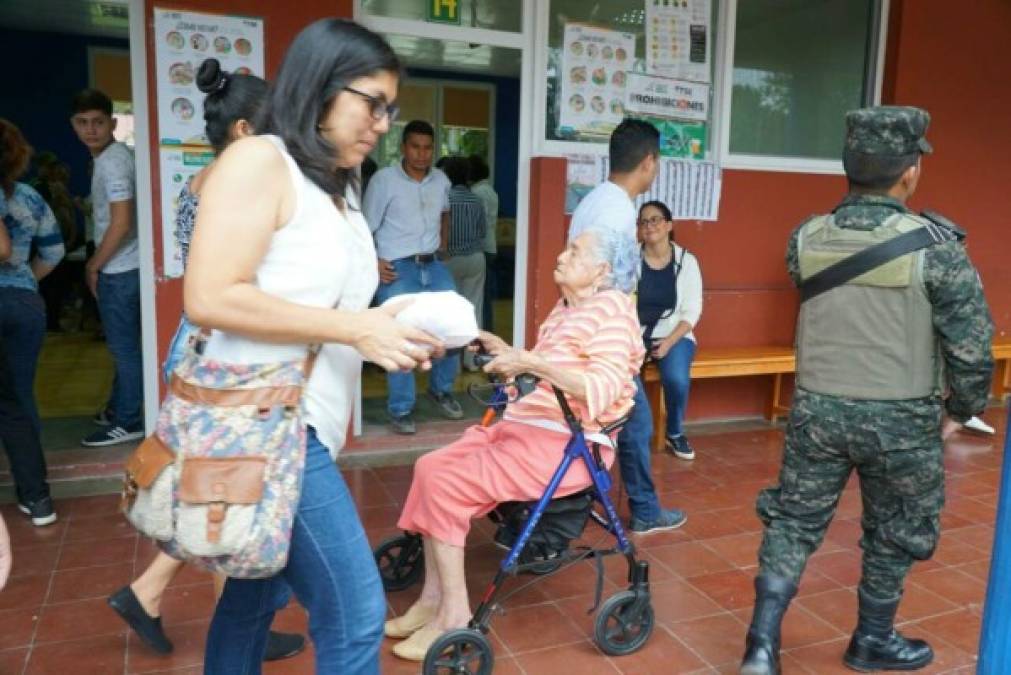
[392,345]
[492,343]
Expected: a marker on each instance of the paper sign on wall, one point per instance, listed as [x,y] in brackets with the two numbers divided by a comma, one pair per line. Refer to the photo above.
[595,62]
[182,41]
[663,97]
[679,38]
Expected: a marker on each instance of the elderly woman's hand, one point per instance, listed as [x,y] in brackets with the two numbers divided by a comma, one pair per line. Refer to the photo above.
[492,343]
[5,554]
[392,345]
[510,362]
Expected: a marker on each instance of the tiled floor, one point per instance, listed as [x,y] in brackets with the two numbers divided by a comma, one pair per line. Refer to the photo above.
[53,617]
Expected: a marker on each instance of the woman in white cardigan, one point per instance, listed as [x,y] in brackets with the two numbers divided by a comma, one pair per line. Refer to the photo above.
[669,302]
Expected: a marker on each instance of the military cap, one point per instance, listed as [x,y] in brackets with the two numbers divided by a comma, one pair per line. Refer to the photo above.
[887,130]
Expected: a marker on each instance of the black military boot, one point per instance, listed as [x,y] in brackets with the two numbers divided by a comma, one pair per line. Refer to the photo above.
[876,645]
[772,597]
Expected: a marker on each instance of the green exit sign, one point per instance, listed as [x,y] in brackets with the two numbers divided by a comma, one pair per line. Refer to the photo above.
[443,11]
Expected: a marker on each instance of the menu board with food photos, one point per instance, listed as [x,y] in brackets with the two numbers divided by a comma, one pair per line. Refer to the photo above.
[595,65]
[182,41]
[679,38]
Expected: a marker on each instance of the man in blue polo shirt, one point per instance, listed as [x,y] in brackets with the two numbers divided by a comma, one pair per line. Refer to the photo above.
[407,209]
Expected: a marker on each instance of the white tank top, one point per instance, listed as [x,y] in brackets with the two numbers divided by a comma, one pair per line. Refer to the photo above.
[320,258]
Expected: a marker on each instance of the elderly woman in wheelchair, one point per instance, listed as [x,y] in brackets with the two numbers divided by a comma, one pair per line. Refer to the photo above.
[587,352]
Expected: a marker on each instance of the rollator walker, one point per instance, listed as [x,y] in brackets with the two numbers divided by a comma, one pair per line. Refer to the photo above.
[537,535]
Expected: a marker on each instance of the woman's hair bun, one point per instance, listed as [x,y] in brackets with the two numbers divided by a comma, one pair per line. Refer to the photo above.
[210,76]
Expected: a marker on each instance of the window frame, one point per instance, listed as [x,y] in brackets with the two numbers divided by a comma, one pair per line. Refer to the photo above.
[722,86]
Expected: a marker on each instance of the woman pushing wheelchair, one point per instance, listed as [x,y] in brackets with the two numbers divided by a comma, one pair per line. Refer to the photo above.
[589,348]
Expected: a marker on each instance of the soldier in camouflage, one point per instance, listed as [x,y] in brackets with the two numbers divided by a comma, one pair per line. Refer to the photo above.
[881,359]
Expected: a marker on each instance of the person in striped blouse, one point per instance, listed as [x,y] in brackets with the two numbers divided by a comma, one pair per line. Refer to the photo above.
[590,347]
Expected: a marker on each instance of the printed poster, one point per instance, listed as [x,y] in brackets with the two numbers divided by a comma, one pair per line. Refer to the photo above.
[182,41]
[651,96]
[178,165]
[595,65]
[691,189]
[679,39]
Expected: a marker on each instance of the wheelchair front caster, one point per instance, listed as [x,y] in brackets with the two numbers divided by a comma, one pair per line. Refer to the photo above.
[459,652]
[624,623]
[401,561]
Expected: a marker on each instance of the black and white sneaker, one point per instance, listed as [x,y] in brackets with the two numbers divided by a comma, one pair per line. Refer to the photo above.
[111,436]
[680,447]
[41,511]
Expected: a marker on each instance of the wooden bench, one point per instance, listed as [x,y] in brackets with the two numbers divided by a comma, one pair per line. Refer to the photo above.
[775,361]
[725,362]
[1001,386]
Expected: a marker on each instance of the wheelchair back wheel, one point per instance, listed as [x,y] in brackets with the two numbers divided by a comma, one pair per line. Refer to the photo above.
[459,652]
[623,625]
[401,561]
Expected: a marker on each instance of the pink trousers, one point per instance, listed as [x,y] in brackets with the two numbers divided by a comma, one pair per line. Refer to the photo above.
[507,461]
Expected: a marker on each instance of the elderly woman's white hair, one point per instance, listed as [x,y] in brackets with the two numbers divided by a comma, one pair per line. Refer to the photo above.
[621,252]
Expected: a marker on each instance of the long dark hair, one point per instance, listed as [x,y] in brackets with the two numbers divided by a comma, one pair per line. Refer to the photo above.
[324,58]
[230,98]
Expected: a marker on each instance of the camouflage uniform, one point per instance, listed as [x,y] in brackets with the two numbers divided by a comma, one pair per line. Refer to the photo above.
[895,445]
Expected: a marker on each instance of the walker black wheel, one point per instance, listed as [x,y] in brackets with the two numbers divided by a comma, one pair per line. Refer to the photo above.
[540,568]
[621,629]
[459,652]
[401,561]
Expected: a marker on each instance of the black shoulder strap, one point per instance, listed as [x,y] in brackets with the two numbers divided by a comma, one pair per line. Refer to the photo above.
[937,219]
[870,258]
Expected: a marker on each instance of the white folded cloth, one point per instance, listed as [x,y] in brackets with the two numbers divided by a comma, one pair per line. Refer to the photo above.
[976,424]
[446,315]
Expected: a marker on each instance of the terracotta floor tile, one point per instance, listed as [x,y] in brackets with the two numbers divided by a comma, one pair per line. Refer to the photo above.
[952,584]
[31,560]
[819,659]
[980,570]
[23,534]
[960,628]
[88,554]
[188,640]
[581,657]
[950,551]
[99,528]
[717,639]
[13,660]
[182,604]
[690,559]
[662,653]
[91,656]
[813,582]
[17,627]
[677,601]
[842,566]
[741,550]
[710,525]
[979,536]
[89,507]
[918,603]
[89,582]
[731,589]
[538,627]
[78,620]
[838,608]
[25,592]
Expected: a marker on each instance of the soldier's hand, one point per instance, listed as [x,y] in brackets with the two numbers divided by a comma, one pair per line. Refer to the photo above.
[948,427]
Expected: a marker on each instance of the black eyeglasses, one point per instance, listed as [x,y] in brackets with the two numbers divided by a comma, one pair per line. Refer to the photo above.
[378,108]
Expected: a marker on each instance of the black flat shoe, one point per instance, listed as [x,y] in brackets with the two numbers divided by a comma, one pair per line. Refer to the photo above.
[283,646]
[147,628]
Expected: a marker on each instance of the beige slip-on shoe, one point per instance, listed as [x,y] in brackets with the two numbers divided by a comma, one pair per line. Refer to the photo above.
[416,647]
[410,621]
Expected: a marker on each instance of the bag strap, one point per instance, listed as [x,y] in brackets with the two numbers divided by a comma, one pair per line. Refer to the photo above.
[870,258]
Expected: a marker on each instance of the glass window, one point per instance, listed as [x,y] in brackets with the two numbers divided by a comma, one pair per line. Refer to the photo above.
[798,66]
[628,20]
[504,15]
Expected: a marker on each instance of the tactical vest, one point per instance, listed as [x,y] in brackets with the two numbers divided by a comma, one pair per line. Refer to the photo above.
[873,337]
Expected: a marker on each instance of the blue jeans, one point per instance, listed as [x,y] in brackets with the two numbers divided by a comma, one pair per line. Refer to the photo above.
[119,306]
[333,574]
[23,324]
[415,277]
[675,376]
[634,458]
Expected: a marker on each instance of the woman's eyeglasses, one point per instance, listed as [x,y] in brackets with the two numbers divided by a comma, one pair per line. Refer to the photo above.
[378,108]
[651,222]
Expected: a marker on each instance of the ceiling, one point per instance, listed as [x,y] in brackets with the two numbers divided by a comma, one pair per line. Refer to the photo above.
[427,53]
[106,18]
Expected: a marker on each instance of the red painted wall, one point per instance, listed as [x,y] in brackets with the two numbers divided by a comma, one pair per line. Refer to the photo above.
[749,299]
[282,21]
